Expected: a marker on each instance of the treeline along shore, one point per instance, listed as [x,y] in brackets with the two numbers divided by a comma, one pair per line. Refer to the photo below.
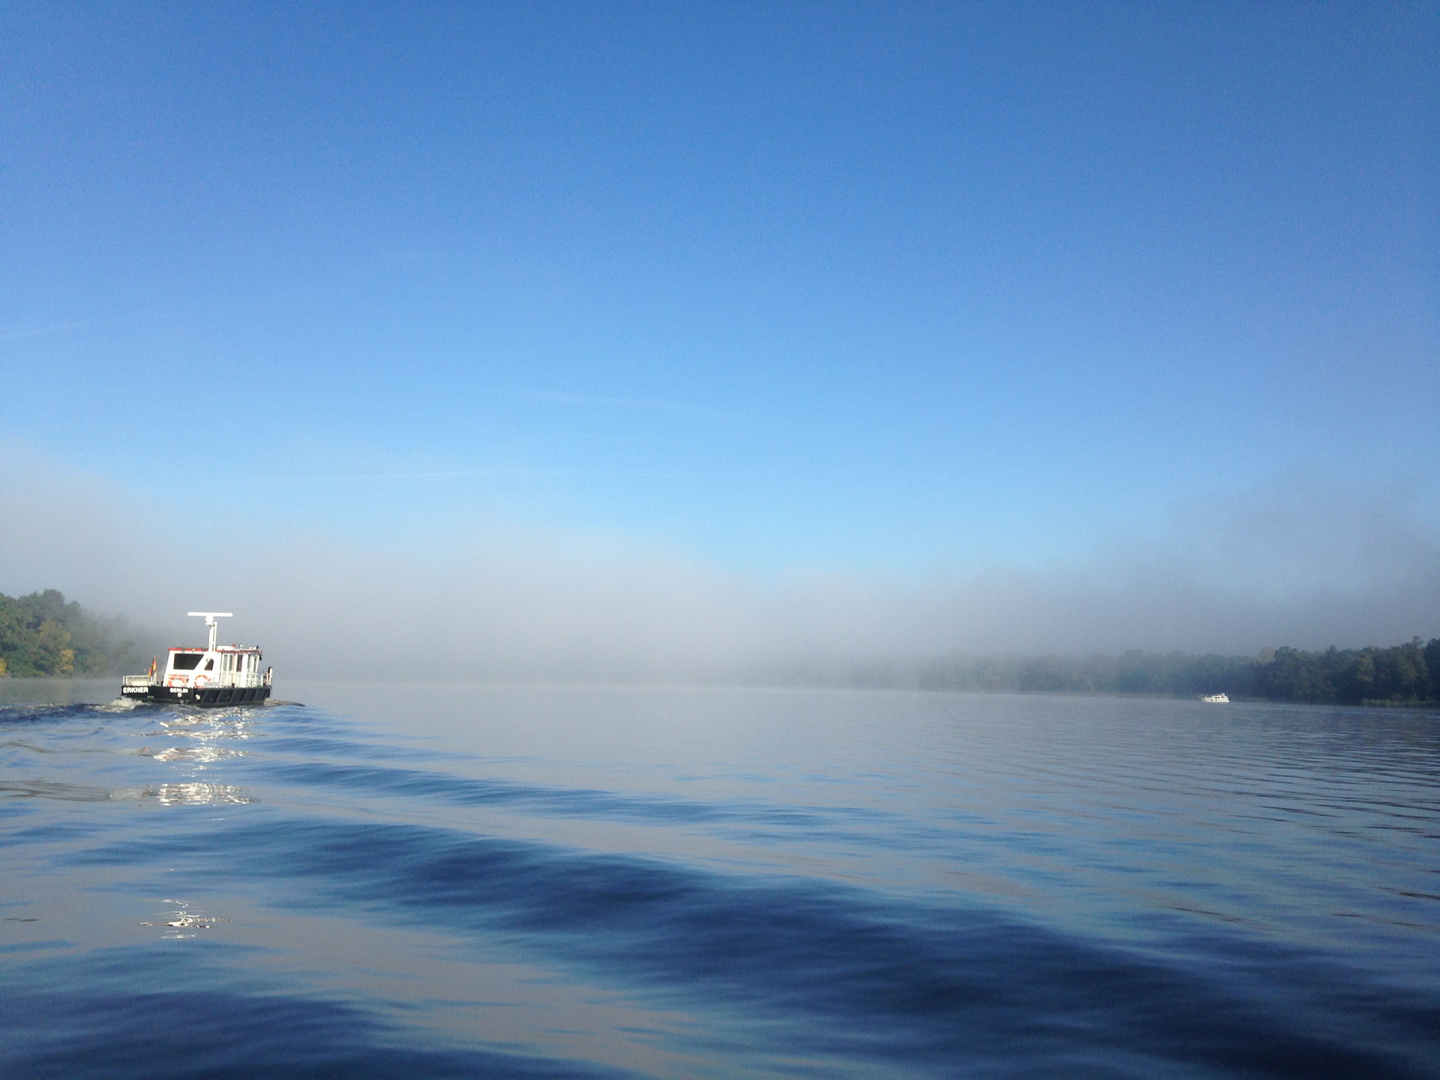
[43,634]
[1400,674]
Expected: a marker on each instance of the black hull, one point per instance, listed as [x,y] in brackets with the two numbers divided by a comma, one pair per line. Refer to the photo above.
[206,697]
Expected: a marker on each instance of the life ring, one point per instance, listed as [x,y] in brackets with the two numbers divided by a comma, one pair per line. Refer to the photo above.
[175,680]
[200,682]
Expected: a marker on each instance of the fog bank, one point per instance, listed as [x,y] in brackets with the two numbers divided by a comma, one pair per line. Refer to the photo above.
[1306,562]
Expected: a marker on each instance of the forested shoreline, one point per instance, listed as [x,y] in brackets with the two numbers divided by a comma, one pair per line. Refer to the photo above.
[41,634]
[44,635]
[1399,674]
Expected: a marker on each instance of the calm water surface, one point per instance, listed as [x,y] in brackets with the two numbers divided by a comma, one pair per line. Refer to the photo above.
[523,882]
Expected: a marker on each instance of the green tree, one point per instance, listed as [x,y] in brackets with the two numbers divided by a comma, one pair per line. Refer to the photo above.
[43,634]
[51,646]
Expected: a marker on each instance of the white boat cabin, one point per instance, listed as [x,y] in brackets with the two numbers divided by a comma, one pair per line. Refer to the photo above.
[219,666]
[225,665]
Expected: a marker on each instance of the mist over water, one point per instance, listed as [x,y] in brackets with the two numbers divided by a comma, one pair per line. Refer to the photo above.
[1306,562]
[451,880]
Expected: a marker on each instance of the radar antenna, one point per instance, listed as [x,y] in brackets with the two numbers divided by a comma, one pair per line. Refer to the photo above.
[210,617]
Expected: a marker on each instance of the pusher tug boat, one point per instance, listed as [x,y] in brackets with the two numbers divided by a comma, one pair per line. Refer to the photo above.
[214,675]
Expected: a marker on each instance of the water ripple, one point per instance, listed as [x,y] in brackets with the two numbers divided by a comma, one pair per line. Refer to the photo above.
[529,882]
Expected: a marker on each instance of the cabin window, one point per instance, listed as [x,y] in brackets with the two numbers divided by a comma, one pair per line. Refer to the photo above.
[185,661]
[210,664]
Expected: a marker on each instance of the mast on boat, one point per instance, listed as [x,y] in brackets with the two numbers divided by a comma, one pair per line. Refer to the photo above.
[210,617]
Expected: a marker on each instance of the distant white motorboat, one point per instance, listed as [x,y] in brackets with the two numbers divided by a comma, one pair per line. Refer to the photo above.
[1220,699]
[209,675]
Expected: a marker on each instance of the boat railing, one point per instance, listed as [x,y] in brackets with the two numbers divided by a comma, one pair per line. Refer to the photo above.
[225,680]
[135,680]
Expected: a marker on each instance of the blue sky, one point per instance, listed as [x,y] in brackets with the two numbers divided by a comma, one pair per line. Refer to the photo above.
[802,287]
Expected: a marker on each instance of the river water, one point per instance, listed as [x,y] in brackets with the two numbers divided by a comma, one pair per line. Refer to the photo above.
[404,881]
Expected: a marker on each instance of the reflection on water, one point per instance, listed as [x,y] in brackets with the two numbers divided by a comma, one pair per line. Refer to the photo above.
[189,793]
[204,739]
[520,882]
[196,794]
[207,730]
[200,754]
[207,726]
[180,920]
